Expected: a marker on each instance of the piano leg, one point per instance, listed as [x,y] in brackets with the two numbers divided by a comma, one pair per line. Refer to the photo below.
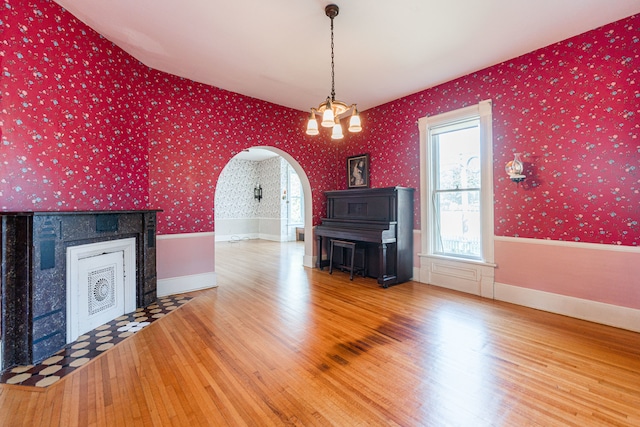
[384,279]
[319,258]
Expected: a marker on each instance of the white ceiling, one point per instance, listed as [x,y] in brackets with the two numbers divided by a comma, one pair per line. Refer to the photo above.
[279,50]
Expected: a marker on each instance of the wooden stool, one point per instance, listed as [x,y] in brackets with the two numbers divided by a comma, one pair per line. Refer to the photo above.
[346,245]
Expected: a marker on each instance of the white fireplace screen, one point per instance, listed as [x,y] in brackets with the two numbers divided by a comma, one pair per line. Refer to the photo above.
[101,284]
[102,289]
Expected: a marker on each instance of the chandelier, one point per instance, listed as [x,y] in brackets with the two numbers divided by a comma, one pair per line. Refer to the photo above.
[331,110]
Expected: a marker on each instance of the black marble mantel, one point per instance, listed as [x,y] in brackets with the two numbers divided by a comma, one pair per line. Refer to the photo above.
[33,276]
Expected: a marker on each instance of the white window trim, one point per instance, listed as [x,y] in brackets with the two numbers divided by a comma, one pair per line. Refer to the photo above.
[466,275]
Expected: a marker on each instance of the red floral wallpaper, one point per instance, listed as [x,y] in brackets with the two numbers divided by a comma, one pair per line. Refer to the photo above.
[72,133]
[86,126]
[197,129]
[572,109]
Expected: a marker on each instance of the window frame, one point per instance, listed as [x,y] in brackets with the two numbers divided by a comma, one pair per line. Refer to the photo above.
[482,112]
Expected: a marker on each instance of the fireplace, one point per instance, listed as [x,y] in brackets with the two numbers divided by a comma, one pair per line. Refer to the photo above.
[34,272]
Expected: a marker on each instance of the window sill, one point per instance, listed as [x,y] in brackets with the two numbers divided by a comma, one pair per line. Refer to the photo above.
[462,260]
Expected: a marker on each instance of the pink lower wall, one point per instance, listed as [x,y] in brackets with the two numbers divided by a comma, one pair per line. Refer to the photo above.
[185,255]
[584,271]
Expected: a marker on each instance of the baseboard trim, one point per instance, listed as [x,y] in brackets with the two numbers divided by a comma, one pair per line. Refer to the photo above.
[182,284]
[593,311]
[236,237]
[272,237]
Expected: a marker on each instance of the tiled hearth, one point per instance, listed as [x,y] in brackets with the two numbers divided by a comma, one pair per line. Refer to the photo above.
[90,345]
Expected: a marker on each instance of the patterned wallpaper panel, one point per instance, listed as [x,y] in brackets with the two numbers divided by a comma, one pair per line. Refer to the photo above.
[234,197]
[270,174]
[572,109]
[234,192]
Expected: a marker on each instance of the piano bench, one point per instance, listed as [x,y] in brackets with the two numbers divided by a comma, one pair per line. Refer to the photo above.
[343,244]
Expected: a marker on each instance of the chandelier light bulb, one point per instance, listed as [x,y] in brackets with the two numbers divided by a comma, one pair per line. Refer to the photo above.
[312,124]
[327,116]
[337,131]
[354,121]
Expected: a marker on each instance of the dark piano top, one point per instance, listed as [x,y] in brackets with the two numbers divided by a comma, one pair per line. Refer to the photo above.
[368,204]
[367,214]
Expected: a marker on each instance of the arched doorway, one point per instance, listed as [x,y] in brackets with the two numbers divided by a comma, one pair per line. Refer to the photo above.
[250,181]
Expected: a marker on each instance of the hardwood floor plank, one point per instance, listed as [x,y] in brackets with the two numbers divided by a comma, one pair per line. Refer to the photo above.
[279,344]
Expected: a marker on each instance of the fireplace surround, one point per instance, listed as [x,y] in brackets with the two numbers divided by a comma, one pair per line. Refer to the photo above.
[33,275]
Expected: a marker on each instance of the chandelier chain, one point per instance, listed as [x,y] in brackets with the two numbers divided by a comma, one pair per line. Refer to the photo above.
[333,88]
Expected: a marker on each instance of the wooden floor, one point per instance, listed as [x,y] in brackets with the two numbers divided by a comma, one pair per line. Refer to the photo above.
[279,344]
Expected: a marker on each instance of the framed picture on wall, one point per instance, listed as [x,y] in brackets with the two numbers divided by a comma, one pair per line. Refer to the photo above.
[358,171]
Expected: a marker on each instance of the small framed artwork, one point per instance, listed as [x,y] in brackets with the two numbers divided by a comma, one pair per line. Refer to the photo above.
[358,171]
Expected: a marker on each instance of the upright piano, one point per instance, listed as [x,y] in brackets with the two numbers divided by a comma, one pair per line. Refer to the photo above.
[381,221]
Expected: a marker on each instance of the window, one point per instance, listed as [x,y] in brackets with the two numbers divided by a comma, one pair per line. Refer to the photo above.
[295,198]
[456,188]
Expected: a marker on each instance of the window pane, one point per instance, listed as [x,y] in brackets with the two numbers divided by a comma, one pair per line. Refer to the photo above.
[295,198]
[296,187]
[296,211]
[458,217]
[458,158]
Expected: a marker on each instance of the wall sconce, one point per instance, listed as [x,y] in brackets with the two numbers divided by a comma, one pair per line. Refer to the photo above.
[514,169]
[257,192]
